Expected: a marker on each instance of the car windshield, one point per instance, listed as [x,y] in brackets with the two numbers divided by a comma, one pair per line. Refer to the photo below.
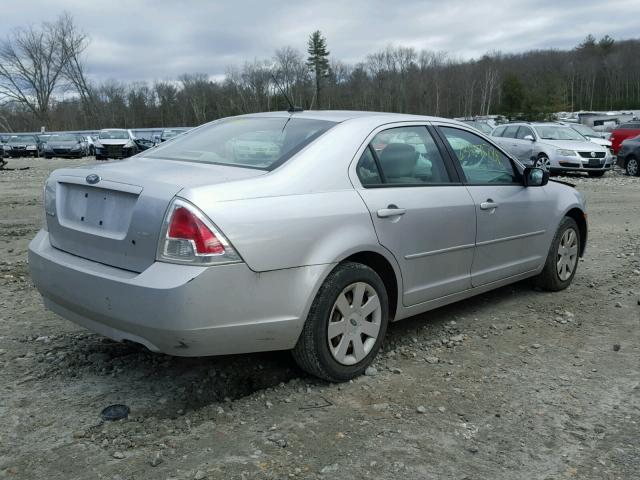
[62,138]
[252,142]
[584,130]
[553,132]
[22,139]
[113,135]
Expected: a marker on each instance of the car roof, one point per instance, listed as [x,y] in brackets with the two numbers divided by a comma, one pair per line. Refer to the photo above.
[344,115]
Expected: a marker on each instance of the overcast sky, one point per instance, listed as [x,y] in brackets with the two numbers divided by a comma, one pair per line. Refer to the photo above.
[158,39]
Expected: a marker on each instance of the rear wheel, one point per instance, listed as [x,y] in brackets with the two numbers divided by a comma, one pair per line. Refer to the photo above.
[562,259]
[632,167]
[346,324]
[597,174]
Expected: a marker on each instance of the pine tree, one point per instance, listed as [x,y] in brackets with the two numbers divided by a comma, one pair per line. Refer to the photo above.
[318,61]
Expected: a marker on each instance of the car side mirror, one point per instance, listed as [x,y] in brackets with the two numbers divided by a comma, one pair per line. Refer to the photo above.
[535,177]
[529,137]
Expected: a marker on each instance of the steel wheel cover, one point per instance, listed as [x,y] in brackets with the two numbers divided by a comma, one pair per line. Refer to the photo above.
[354,323]
[632,167]
[567,255]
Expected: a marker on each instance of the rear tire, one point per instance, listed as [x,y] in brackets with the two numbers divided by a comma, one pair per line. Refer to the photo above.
[328,353]
[562,259]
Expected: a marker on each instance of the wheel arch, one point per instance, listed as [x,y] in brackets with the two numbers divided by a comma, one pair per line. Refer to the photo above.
[385,269]
[580,218]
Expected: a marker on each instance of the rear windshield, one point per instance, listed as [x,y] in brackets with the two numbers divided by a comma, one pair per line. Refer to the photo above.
[63,138]
[251,142]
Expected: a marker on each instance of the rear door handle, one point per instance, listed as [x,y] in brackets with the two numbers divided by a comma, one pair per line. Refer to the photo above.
[488,205]
[391,211]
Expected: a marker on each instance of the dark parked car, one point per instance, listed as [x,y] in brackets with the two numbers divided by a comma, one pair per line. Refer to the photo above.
[22,146]
[64,145]
[621,133]
[629,156]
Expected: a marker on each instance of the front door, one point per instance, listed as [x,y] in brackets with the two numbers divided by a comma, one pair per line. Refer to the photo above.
[420,210]
[512,220]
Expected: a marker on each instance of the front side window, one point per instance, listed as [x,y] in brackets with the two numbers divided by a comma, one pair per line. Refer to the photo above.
[523,132]
[481,162]
[499,132]
[251,142]
[511,131]
[402,156]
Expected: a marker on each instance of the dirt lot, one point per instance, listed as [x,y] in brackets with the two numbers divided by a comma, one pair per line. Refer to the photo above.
[514,384]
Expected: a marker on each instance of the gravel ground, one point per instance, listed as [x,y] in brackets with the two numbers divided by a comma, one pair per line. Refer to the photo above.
[513,384]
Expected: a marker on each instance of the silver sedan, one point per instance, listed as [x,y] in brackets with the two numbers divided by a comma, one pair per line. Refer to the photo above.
[308,231]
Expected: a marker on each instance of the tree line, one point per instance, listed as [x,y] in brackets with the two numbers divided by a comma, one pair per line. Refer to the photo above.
[44,81]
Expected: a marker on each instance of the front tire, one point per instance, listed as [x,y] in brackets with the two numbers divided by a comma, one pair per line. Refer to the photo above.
[346,324]
[632,167]
[562,259]
[543,162]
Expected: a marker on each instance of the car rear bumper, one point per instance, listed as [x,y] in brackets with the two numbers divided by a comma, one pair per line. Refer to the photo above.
[177,309]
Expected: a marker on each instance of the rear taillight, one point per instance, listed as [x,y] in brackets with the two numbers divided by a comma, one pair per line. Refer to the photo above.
[188,236]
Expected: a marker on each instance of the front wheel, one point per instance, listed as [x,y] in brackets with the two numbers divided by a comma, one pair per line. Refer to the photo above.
[632,167]
[562,259]
[543,162]
[346,324]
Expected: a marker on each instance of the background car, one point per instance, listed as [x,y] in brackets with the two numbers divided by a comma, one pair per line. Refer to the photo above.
[169,133]
[484,127]
[313,241]
[65,145]
[624,131]
[629,156]
[553,147]
[115,143]
[22,145]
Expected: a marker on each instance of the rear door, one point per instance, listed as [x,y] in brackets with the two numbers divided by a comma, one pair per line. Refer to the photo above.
[420,210]
[511,219]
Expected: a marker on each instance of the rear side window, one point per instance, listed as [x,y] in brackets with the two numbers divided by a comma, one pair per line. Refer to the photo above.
[402,156]
[252,142]
[481,162]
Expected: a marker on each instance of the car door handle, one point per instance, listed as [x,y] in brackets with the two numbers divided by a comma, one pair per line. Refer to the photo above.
[391,211]
[488,205]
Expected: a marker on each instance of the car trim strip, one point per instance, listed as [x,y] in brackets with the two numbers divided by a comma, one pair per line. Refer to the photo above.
[512,237]
[437,252]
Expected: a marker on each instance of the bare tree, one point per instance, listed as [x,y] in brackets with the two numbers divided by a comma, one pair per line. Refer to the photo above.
[31,64]
[73,43]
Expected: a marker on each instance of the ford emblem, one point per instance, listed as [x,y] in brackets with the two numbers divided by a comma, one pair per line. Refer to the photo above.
[92,179]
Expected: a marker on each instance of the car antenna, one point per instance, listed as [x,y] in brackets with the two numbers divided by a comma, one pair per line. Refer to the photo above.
[292,107]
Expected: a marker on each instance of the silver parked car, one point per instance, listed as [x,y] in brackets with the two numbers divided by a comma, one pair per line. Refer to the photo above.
[553,147]
[198,248]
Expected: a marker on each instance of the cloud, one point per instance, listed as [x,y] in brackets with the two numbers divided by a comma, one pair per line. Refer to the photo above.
[159,39]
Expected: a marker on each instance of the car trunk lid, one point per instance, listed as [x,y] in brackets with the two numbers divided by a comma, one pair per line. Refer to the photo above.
[113,213]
